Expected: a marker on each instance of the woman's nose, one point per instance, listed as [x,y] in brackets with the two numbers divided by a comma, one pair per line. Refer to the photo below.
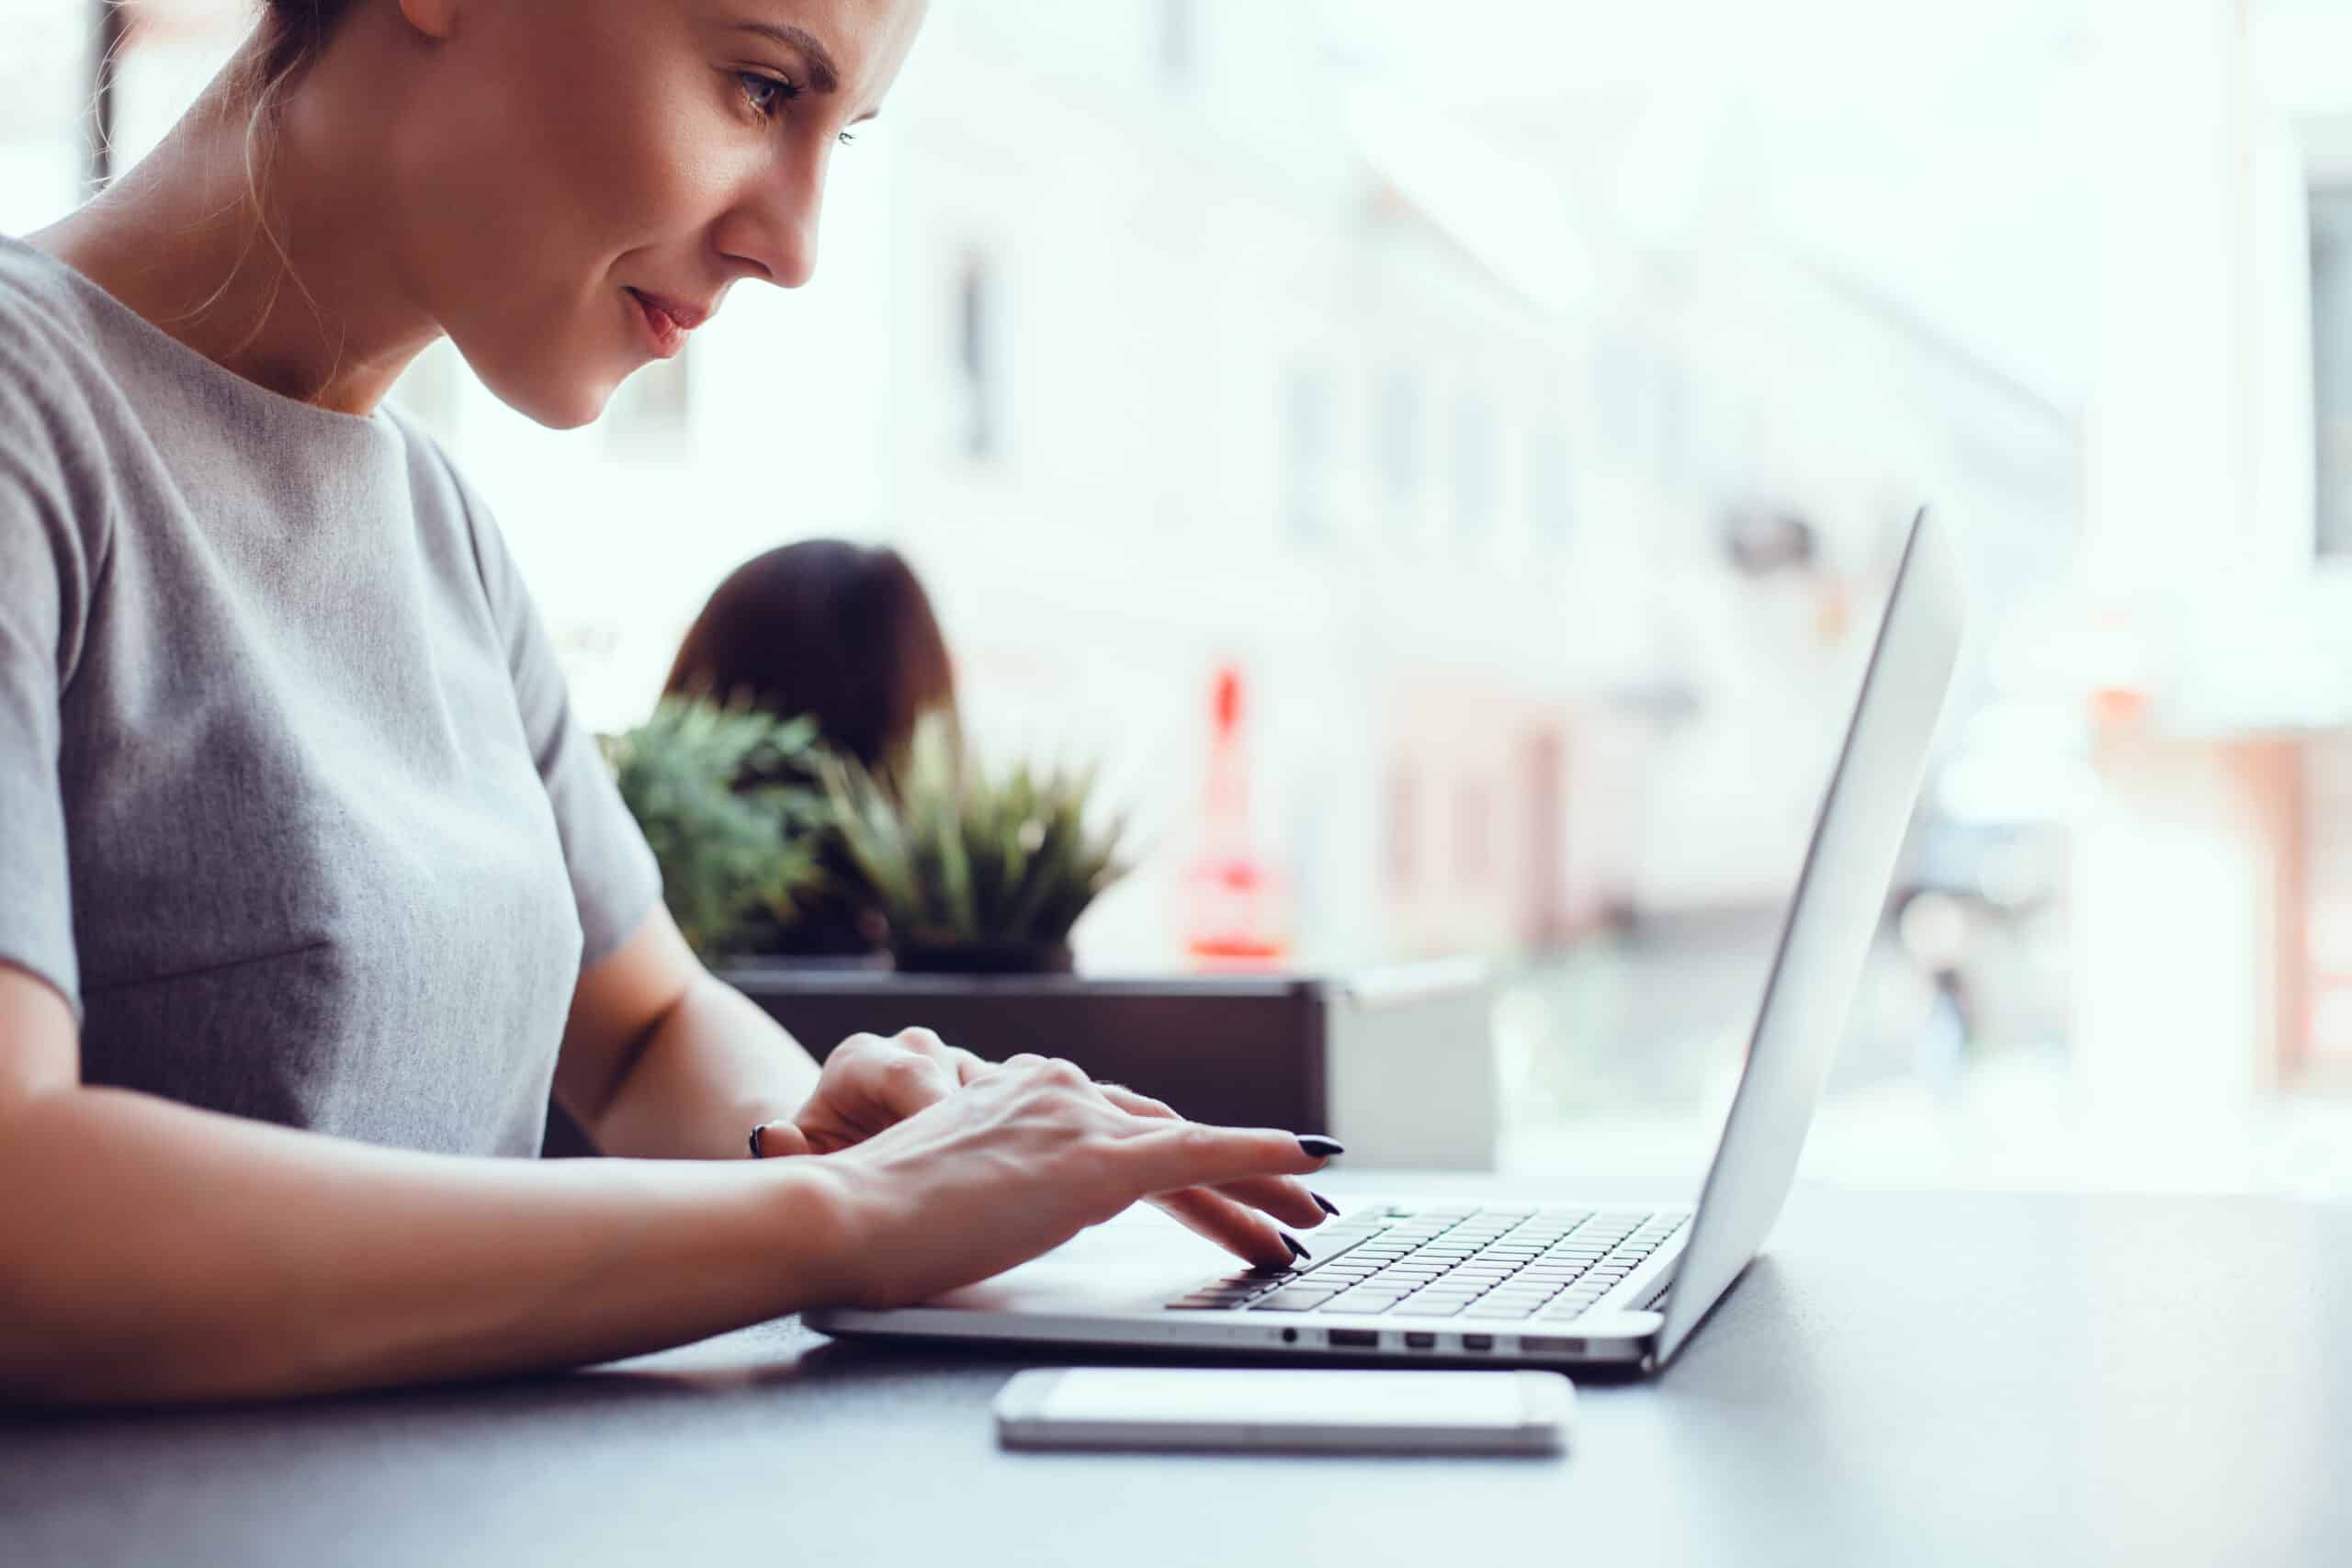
[772,234]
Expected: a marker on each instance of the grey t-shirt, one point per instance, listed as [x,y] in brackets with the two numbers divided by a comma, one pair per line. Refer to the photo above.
[293,808]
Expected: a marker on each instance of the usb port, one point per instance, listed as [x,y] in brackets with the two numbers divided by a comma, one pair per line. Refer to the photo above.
[1538,1343]
[1478,1342]
[1361,1338]
[1414,1341]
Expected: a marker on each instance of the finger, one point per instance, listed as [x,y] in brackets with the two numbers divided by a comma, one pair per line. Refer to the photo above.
[780,1140]
[1285,1198]
[1245,1234]
[1128,1099]
[1029,1061]
[907,1082]
[1171,1156]
[965,1065]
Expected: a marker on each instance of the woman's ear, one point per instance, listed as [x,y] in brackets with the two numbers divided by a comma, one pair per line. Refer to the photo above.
[434,18]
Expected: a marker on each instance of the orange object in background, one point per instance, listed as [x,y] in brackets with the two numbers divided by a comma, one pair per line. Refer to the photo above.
[1236,906]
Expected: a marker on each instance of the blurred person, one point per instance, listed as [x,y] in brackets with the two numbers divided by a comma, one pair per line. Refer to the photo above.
[841,633]
[310,886]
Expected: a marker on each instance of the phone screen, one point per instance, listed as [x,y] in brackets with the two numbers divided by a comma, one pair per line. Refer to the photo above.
[1282,1396]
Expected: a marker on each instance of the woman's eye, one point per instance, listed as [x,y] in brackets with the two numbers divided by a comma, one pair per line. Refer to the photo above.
[766,94]
[846,138]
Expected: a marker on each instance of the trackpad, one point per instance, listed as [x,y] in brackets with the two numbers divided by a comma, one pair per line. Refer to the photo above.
[1138,1262]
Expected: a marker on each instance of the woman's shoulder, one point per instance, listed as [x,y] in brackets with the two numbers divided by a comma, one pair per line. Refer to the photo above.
[58,393]
[53,386]
[46,328]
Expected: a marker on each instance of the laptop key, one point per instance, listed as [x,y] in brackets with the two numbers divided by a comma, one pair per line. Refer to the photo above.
[1292,1301]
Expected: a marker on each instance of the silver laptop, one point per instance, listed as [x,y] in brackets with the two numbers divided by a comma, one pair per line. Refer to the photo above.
[1549,1284]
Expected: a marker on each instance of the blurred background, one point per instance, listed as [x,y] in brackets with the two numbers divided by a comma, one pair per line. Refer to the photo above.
[1518,407]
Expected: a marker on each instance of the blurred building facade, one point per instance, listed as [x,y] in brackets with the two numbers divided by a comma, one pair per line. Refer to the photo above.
[1532,432]
[1162,342]
[1153,361]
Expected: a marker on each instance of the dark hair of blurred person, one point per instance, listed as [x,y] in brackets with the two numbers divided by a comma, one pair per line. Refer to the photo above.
[840,631]
[845,633]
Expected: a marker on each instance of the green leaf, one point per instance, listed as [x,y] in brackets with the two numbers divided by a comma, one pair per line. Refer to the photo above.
[730,801]
[953,853]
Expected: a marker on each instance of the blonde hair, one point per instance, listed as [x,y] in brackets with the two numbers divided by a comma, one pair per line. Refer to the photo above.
[291,34]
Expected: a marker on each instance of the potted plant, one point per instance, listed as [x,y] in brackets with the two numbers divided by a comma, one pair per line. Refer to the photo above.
[977,872]
[728,799]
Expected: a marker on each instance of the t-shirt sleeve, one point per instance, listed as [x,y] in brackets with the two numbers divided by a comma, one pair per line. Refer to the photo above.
[615,879]
[45,583]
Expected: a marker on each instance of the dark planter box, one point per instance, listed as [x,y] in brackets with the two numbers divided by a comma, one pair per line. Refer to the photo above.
[1246,1052]
[1398,1063]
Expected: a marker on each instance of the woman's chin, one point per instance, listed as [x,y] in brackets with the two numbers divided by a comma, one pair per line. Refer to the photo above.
[573,414]
[560,406]
[560,398]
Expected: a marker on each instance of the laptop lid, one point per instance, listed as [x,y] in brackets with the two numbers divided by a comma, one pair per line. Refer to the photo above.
[1827,936]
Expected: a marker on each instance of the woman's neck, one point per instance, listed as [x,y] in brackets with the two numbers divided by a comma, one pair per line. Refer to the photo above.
[268,248]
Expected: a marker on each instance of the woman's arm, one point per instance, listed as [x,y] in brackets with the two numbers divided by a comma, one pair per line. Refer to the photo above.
[662,1061]
[150,1251]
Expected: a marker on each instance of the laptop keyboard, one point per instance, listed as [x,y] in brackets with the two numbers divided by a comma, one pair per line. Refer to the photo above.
[1469,1262]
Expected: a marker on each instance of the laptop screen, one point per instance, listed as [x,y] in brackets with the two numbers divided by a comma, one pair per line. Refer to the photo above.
[1840,897]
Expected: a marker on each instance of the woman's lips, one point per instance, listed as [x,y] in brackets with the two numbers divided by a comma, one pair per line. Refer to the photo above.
[667,321]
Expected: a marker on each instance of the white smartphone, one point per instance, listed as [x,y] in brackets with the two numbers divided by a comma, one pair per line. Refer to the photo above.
[1415,1411]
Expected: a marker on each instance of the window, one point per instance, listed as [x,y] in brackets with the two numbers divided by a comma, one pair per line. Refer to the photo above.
[979,417]
[1474,465]
[1671,405]
[1306,454]
[1620,391]
[1396,436]
[2332,368]
[1179,42]
[1550,493]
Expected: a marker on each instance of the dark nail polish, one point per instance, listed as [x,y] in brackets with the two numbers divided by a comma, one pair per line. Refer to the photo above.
[1295,1250]
[1325,1205]
[1321,1146]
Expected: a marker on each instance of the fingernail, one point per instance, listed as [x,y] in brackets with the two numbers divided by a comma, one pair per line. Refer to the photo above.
[1295,1250]
[756,1151]
[1321,1146]
[1325,1205]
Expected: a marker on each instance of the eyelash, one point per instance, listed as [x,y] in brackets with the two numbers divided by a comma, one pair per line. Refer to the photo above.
[757,84]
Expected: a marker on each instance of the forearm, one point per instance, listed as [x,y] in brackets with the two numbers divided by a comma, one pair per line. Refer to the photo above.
[715,1066]
[149,1251]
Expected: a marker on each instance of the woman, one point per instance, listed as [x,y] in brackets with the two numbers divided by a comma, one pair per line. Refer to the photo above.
[842,633]
[309,884]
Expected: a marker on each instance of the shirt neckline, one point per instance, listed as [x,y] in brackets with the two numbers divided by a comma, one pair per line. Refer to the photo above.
[378,426]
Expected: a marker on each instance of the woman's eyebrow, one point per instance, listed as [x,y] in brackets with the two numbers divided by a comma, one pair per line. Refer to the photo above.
[822,74]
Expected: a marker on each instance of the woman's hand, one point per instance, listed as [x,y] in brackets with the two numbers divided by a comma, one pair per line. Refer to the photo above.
[871,1083]
[1023,1156]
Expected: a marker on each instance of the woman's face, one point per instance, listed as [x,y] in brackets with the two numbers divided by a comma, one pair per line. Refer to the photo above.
[581,181]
